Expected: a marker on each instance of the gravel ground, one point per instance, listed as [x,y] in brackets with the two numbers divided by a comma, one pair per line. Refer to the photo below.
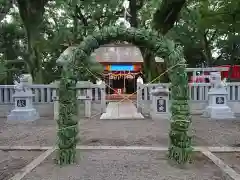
[12,162]
[125,165]
[231,159]
[122,132]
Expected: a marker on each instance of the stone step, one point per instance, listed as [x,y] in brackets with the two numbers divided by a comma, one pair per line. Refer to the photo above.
[121,110]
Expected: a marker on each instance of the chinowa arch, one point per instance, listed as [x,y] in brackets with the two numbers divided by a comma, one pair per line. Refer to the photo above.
[180,142]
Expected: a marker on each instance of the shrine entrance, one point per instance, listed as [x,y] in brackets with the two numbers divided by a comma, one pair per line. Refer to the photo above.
[71,60]
[130,85]
[122,64]
[119,86]
[121,83]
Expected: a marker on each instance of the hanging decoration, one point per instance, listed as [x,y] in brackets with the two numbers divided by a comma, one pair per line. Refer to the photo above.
[117,76]
[129,76]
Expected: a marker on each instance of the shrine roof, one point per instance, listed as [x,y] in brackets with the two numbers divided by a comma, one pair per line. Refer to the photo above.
[118,53]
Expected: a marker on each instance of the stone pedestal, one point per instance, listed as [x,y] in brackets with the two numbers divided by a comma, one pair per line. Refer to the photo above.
[23,98]
[217,105]
[23,110]
[160,103]
[217,100]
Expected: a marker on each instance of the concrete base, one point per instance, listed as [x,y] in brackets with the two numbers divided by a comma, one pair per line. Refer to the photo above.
[136,116]
[121,110]
[223,112]
[166,116]
[23,115]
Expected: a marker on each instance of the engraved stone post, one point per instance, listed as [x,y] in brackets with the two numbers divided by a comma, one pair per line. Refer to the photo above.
[160,103]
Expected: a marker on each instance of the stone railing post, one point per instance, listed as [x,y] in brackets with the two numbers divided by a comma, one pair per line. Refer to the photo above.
[103,97]
[86,86]
[139,94]
[55,99]
[88,102]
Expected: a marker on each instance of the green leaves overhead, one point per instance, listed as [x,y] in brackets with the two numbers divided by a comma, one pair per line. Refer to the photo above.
[5,6]
[167,14]
[204,29]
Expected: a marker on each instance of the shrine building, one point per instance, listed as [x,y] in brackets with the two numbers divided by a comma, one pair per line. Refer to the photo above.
[122,66]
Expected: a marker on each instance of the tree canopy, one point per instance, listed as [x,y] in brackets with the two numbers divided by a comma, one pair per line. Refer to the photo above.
[34,33]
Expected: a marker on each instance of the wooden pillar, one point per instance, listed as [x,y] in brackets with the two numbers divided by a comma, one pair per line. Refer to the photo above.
[124,83]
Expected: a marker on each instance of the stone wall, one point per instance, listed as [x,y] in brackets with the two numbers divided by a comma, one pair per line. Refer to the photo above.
[46,109]
[196,107]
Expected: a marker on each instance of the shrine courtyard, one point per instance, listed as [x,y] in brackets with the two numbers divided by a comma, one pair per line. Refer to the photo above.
[119,149]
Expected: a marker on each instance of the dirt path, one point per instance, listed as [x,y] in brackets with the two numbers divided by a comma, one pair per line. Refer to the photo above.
[125,165]
[12,162]
[122,132]
[231,159]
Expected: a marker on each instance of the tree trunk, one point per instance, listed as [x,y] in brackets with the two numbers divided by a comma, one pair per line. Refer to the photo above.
[167,14]
[133,12]
[207,51]
[34,63]
[31,13]
[234,47]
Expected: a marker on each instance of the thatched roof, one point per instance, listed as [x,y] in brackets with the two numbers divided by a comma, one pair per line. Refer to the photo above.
[118,53]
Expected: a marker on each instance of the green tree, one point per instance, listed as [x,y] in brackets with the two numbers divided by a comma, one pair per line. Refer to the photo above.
[12,47]
[32,14]
[5,6]
[204,31]
[166,14]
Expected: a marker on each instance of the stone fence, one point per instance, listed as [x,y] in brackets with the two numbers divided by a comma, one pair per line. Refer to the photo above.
[44,95]
[198,93]
[43,99]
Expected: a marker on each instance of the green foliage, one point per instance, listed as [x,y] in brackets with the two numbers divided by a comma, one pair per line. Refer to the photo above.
[32,15]
[166,14]
[71,59]
[3,72]
[204,29]
[180,142]
[5,6]
[11,50]
[68,119]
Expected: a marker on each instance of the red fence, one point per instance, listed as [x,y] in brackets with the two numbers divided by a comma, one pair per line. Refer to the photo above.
[235,72]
